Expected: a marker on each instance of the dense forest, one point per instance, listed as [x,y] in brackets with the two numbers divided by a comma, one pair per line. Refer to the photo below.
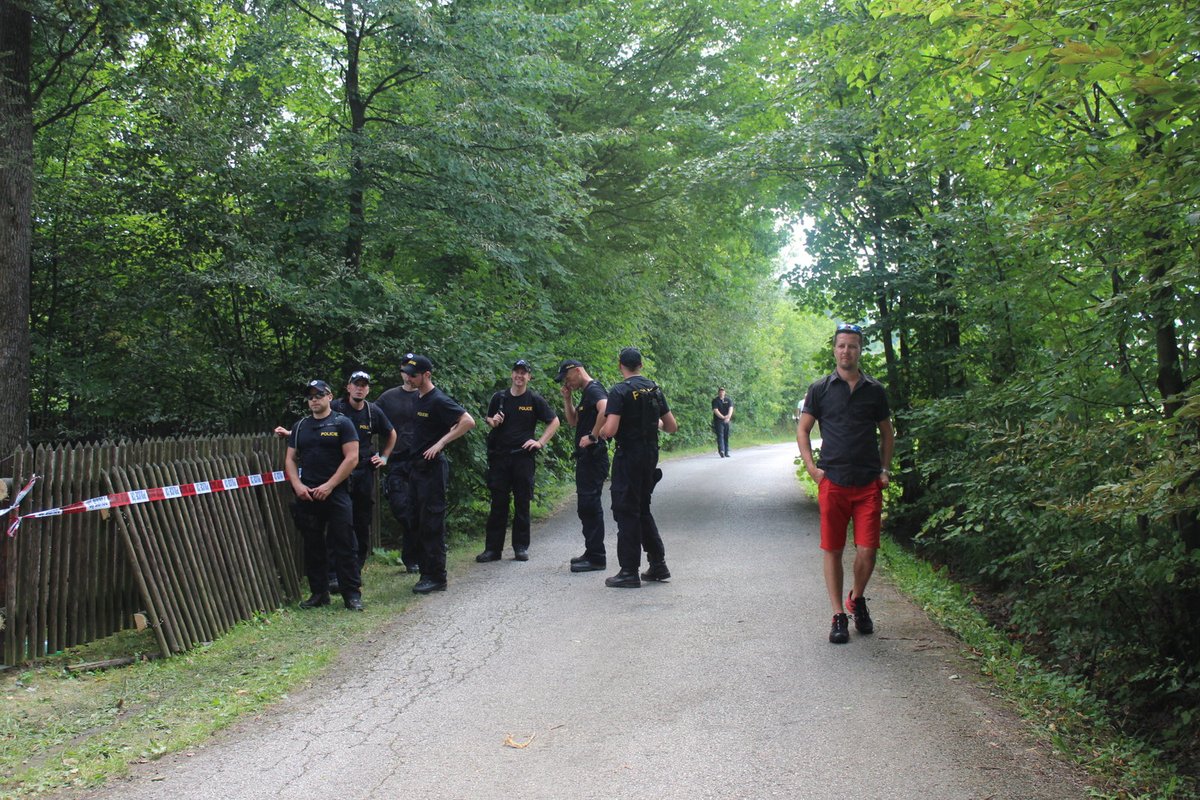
[203,205]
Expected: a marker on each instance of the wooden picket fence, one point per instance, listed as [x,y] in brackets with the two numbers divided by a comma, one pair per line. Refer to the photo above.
[189,567]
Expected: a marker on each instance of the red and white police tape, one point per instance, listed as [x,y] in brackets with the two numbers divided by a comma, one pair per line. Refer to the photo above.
[139,496]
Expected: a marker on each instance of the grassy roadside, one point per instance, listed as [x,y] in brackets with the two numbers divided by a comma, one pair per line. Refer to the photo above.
[63,730]
[1059,709]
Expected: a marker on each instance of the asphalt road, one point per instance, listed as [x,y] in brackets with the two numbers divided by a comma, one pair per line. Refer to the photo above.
[718,684]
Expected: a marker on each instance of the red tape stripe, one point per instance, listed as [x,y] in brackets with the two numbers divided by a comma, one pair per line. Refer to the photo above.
[138,496]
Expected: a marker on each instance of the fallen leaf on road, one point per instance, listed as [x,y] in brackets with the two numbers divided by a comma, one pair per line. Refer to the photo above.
[510,742]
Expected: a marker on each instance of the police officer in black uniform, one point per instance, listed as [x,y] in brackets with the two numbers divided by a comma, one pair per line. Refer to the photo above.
[322,451]
[591,458]
[399,405]
[439,420]
[512,415]
[368,421]
[636,410]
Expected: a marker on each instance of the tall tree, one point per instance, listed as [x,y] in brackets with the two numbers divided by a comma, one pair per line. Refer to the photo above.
[16,221]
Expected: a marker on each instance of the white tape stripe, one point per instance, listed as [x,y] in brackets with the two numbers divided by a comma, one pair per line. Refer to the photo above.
[134,496]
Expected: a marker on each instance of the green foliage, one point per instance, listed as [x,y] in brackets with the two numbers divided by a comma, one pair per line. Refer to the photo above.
[473,181]
[1043,512]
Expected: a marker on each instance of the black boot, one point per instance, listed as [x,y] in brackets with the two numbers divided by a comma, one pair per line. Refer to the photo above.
[625,579]
[657,571]
[427,585]
[317,599]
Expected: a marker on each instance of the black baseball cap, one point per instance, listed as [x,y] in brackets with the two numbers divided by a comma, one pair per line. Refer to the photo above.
[416,365]
[521,363]
[566,367]
[631,357]
[320,387]
[359,375]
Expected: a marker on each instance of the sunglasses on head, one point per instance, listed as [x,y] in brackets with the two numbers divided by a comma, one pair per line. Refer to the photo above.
[846,327]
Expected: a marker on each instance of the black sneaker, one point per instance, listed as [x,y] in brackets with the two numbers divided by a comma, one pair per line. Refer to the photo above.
[839,633]
[862,618]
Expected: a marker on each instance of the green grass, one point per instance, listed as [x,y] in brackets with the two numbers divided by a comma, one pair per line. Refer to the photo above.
[1059,709]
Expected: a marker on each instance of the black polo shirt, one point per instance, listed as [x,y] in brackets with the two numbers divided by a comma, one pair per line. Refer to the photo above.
[318,445]
[587,410]
[368,421]
[849,420]
[399,406]
[521,415]
[722,406]
[435,414]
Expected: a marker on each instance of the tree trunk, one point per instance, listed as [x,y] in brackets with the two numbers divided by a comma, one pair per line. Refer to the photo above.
[355,195]
[16,220]
[358,122]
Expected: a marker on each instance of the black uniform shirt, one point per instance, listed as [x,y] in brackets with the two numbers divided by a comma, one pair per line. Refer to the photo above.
[722,406]
[399,406]
[849,447]
[621,400]
[521,415]
[368,421]
[435,414]
[587,411]
[318,444]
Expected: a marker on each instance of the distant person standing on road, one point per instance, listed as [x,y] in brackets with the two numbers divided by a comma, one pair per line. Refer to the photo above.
[722,409]
[439,421]
[369,421]
[636,410]
[850,405]
[322,451]
[512,415]
[591,458]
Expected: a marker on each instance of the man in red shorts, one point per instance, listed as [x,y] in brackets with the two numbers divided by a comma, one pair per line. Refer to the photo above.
[851,406]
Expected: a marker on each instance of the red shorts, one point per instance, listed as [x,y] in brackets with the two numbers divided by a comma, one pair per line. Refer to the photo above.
[840,504]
